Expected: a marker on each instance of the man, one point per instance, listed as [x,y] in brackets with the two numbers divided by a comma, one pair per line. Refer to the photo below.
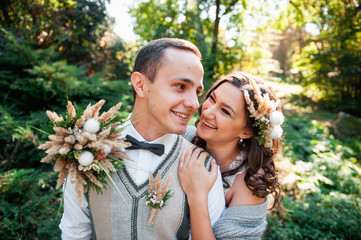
[167,80]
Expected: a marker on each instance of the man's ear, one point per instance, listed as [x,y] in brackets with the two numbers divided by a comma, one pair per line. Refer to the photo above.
[138,81]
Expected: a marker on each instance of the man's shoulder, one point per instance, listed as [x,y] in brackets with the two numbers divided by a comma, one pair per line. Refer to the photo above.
[190,133]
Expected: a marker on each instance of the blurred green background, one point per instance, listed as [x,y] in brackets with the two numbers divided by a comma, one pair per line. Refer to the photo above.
[310,51]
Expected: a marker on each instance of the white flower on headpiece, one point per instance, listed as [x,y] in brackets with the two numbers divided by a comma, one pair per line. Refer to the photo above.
[276,118]
[91,126]
[276,132]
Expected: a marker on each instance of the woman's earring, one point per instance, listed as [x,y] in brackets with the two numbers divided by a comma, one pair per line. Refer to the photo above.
[241,140]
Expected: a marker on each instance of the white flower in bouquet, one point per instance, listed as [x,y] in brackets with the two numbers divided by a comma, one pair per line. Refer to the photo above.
[91,125]
[107,149]
[86,158]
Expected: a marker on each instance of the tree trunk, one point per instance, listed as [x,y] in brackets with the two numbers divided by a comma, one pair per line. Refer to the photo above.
[215,36]
[200,38]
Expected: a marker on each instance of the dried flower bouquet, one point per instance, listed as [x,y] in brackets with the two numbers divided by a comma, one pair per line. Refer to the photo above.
[85,146]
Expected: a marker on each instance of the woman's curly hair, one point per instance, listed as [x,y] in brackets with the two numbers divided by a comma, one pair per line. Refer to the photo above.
[261,176]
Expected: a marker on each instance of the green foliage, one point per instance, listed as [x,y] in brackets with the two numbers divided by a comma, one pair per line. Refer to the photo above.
[317,216]
[74,27]
[323,189]
[48,79]
[198,22]
[261,133]
[299,135]
[329,61]
[321,161]
[18,143]
[29,205]
[173,18]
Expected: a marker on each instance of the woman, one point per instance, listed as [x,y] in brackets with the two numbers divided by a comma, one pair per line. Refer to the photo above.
[239,126]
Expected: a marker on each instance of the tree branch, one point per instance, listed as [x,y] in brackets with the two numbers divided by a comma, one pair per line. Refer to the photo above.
[229,7]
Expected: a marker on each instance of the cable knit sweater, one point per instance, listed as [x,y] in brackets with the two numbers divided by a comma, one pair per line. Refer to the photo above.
[242,222]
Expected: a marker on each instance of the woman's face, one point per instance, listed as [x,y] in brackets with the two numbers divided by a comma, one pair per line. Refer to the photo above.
[223,117]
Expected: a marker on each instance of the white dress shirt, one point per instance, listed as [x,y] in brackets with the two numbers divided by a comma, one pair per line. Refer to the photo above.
[76,224]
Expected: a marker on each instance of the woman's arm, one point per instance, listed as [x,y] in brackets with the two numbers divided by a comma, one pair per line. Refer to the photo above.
[245,216]
[240,195]
[196,182]
[242,222]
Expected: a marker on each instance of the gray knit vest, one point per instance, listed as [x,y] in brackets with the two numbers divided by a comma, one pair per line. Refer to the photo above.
[112,218]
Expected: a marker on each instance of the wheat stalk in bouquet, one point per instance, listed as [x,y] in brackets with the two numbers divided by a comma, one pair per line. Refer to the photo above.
[85,146]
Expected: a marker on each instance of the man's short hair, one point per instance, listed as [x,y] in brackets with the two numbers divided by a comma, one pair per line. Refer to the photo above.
[150,56]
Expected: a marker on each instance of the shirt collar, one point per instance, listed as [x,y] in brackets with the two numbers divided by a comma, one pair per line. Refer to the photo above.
[167,140]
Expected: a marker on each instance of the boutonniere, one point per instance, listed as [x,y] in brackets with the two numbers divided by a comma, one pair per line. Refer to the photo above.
[157,195]
[85,145]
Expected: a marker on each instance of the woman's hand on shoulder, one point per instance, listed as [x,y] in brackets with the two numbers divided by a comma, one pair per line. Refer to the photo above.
[195,179]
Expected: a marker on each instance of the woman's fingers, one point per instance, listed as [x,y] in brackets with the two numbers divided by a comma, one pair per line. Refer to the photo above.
[195,154]
[214,169]
[181,161]
[195,179]
[192,155]
[185,158]
[203,156]
[187,155]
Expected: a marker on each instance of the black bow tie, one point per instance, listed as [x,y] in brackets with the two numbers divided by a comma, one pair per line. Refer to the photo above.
[155,148]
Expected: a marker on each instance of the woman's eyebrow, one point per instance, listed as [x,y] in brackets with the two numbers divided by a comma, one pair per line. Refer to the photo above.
[224,104]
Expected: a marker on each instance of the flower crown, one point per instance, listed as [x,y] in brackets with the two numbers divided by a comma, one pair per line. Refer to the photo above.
[267,118]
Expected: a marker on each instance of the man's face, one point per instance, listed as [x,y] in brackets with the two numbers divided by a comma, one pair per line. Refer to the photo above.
[173,95]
